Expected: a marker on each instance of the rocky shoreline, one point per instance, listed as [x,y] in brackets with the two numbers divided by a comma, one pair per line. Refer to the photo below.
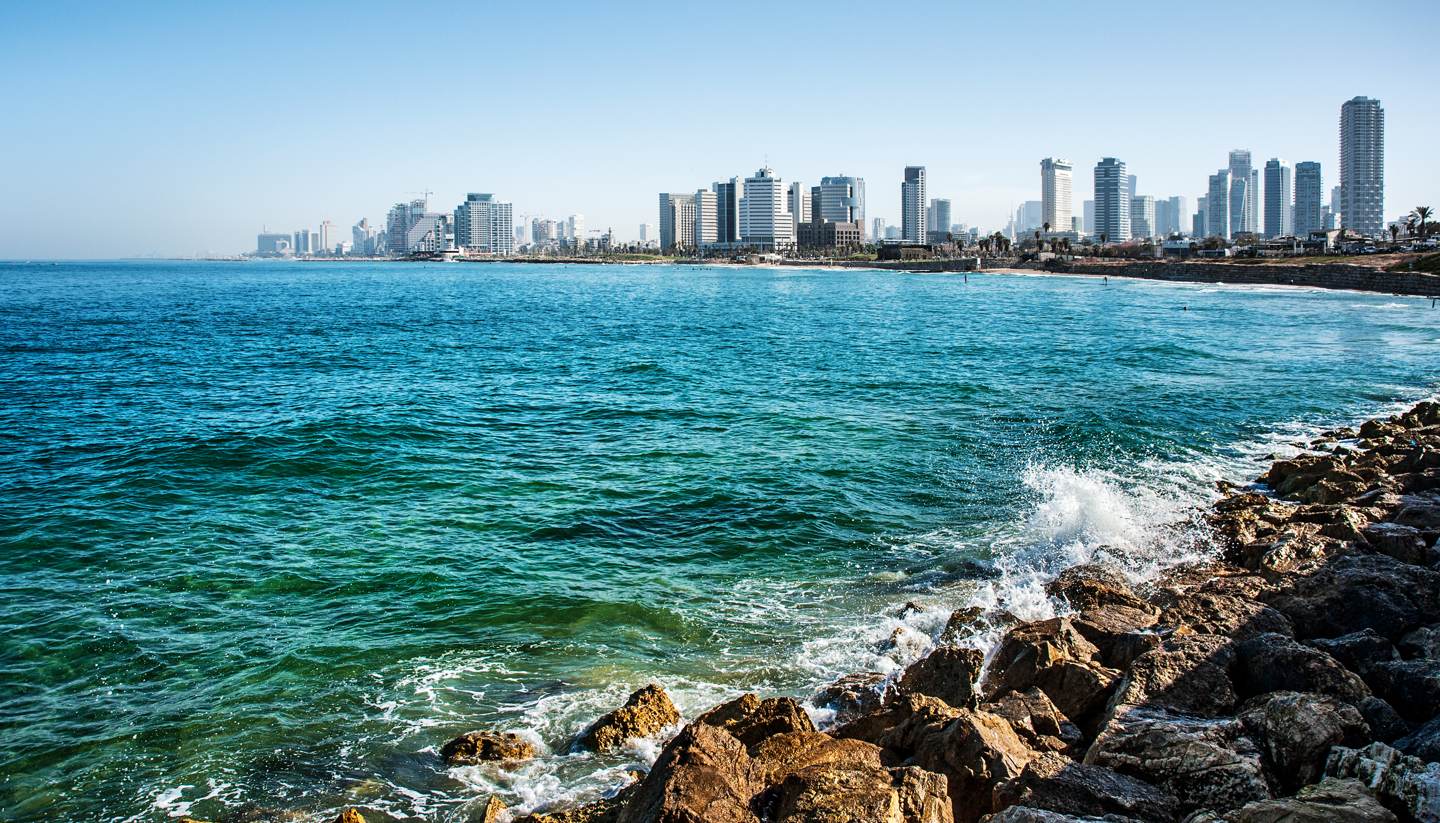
[1294,677]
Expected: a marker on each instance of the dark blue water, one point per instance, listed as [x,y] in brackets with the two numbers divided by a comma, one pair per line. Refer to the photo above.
[269,533]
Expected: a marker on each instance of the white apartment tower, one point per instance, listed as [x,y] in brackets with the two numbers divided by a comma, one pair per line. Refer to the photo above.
[677,222]
[912,205]
[1218,221]
[1362,166]
[1055,204]
[484,225]
[764,219]
[1279,202]
[1112,201]
[707,227]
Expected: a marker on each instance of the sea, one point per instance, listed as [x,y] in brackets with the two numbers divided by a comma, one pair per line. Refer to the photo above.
[272,532]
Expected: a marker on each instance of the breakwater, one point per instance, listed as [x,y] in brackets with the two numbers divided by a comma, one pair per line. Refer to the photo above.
[1347,276]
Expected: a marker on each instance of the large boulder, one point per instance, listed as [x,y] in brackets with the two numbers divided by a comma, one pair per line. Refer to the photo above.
[1423,743]
[1274,662]
[973,621]
[704,775]
[1357,592]
[1422,642]
[1411,686]
[1226,615]
[854,695]
[1358,651]
[947,673]
[1119,634]
[647,713]
[1297,730]
[825,795]
[750,720]
[485,746]
[1056,783]
[1187,674]
[1036,720]
[1094,586]
[1404,543]
[1053,656]
[1330,801]
[1421,511]
[1205,763]
[1402,783]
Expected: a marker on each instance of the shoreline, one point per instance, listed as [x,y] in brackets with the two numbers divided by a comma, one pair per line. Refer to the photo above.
[1296,673]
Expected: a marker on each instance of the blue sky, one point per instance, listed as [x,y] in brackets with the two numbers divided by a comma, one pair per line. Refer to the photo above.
[182,128]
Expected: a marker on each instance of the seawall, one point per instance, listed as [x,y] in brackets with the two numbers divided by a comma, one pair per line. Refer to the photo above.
[1348,276]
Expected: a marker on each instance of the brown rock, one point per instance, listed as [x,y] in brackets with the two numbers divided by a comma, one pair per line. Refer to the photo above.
[1053,656]
[1036,720]
[749,719]
[350,816]
[975,751]
[1404,543]
[1094,586]
[1273,662]
[1204,763]
[1224,614]
[605,810]
[854,695]
[490,813]
[1331,801]
[647,713]
[824,795]
[972,620]
[1187,674]
[1056,783]
[947,673]
[702,775]
[1357,592]
[484,746]
[1119,634]
[1296,732]
[1358,651]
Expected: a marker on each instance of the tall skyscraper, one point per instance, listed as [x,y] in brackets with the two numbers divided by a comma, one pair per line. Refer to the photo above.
[764,220]
[575,228]
[912,205]
[1142,216]
[1278,199]
[677,222]
[727,210]
[645,231]
[841,200]
[1132,185]
[1218,221]
[1029,216]
[1243,190]
[937,218]
[1179,212]
[484,225]
[1055,206]
[878,230]
[1089,212]
[1309,197]
[1362,166]
[1200,224]
[398,223]
[1112,201]
[797,202]
[707,227]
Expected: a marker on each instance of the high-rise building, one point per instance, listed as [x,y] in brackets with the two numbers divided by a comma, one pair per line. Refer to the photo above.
[307,242]
[399,222]
[484,225]
[645,231]
[1029,216]
[1088,209]
[1217,221]
[677,222]
[937,218]
[575,229]
[1199,225]
[797,202]
[878,229]
[1309,195]
[1055,206]
[1179,212]
[363,239]
[765,222]
[1132,186]
[431,233]
[1112,201]
[1244,185]
[727,210]
[1279,201]
[1362,166]
[707,229]
[271,244]
[912,205]
[1142,216]
[327,238]
[839,199]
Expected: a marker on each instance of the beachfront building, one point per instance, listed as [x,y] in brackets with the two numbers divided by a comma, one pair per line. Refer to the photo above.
[1055,204]
[677,222]
[797,202]
[1029,216]
[765,222]
[877,230]
[274,244]
[1200,223]
[398,223]
[1179,212]
[1309,197]
[1142,216]
[326,243]
[365,241]
[1362,166]
[727,210]
[937,217]
[1088,211]
[829,234]
[912,205]
[1112,201]
[1279,202]
[306,241]
[707,227]
[431,233]
[484,225]
[1217,223]
[839,199]
[1243,186]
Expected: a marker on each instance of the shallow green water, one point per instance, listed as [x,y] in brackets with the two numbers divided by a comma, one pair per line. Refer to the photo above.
[270,533]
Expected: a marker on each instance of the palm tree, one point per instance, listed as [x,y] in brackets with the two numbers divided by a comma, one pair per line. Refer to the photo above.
[1394,232]
[1423,214]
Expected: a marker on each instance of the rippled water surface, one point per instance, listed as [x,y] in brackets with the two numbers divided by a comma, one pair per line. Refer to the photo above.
[270,533]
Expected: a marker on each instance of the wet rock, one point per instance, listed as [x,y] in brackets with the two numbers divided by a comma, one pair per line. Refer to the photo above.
[1296,732]
[1056,783]
[1404,543]
[489,813]
[350,816]
[972,620]
[1205,763]
[1035,719]
[647,713]
[1119,634]
[1423,642]
[1187,674]
[1358,651]
[1400,782]
[1053,656]
[1273,662]
[1229,615]
[486,746]
[1358,592]
[1330,801]
[1093,586]
[947,673]
[704,774]
[975,751]
[605,810]
[750,720]
[900,723]
[1424,742]
[854,695]
[1411,686]
[825,795]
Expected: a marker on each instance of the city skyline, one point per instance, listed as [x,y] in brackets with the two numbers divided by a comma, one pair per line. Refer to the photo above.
[199,140]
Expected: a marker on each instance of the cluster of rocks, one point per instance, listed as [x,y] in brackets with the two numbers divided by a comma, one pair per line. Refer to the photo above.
[1296,677]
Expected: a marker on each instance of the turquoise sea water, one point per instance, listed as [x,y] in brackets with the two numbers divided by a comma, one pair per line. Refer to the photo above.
[270,533]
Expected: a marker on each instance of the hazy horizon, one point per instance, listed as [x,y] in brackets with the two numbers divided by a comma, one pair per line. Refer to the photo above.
[176,131]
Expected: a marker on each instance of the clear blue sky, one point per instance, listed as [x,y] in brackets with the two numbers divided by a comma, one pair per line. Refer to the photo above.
[172,128]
